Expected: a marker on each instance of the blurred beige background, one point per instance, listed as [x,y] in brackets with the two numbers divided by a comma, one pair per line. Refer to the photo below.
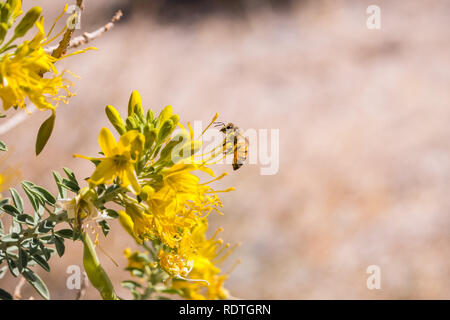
[364,135]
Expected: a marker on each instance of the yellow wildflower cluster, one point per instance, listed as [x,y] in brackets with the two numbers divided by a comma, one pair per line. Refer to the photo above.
[22,70]
[152,172]
[205,258]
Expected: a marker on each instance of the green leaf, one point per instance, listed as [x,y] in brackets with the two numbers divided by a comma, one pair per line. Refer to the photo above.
[49,198]
[172,291]
[136,295]
[33,200]
[112,213]
[35,191]
[4,295]
[59,245]
[136,272]
[23,260]
[15,228]
[2,228]
[46,226]
[105,227]
[17,199]
[12,267]
[131,285]
[70,185]
[3,271]
[70,175]
[45,252]
[3,202]
[61,191]
[9,209]
[49,239]
[9,238]
[3,146]
[25,218]
[37,283]
[65,233]
[44,133]
[41,261]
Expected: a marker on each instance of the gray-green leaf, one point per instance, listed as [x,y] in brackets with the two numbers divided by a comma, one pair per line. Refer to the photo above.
[37,283]
[44,133]
[4,295]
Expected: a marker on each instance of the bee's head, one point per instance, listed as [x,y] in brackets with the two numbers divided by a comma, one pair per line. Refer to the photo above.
[228,126]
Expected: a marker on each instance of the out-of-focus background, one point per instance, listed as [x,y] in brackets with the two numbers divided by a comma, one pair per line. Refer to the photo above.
[363,116]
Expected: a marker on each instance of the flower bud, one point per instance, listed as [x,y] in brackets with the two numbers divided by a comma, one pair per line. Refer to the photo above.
[131,123]
[165,114]
[5,13]
[179,139]
[16,9]
[115,119]
[135,105]
[27,21]
[128,224]
[3,31]
[175,118]
[150,116]
[166,129]
[150,136]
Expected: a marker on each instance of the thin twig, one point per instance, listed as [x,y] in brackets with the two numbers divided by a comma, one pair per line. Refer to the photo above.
[80,4]
[90,36]
[18,289]
[63,45]
[83,288]
[8,124]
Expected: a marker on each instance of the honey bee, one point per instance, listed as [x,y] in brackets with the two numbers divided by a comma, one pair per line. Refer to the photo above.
[234,142]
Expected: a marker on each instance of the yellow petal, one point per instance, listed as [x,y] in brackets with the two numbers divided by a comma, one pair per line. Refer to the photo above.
[128,178]
[126,139]
[107,142]
[104,172]
[36,42]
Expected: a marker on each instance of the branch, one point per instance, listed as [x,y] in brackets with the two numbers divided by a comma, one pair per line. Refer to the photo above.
[18,289]
[80,4]
[14,121]
[64,44]
[90,36]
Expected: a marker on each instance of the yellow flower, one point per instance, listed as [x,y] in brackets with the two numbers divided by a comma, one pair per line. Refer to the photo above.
[175,207]
[22,72]
[138,220]
[173,264]
[119,159]
[205,255]
[22,76]
[212,286]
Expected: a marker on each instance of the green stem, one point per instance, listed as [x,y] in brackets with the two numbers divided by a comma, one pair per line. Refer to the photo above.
[6,46]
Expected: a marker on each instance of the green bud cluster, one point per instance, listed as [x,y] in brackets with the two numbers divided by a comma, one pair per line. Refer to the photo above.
[157,130]
[10,10]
